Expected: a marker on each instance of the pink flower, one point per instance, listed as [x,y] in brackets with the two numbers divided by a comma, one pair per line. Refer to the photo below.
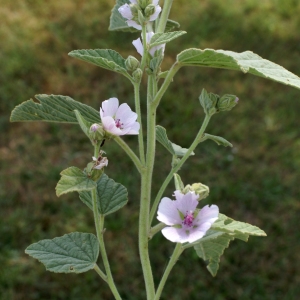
[118,120]
[186,223]
[126,13]
[140,48]
[101,161]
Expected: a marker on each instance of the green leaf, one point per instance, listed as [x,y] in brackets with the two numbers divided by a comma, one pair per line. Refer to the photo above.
[161,136]
[73,179]
[104,58]
[117,22]
[218,139]
[53,108]
[211,250]
[71,253]
[162,38]
[171,25]
[229,225]
[111,196]
[247,62]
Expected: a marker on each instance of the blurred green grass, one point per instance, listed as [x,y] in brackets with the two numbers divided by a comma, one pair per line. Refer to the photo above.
[257,181]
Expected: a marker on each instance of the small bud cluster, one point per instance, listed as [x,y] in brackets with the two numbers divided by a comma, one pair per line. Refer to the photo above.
[200,189]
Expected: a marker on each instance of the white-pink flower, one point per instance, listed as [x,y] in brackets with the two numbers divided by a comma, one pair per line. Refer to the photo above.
[126,13]
[118,120]
[186,223]
[140,48]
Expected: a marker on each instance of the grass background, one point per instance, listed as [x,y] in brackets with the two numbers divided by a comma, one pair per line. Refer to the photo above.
[257,181]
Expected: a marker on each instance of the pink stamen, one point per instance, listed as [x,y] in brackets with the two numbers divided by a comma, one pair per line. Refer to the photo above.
[188,219]
[118,123]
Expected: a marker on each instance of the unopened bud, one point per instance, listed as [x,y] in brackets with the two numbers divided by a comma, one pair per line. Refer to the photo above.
[137,75]
[134,9]
[208,102]
[200,189]
[144,3]
[131,63]
[97,132]
[140,18]
[227,102]
[149,10]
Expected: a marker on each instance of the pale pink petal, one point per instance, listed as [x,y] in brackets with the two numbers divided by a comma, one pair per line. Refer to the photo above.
[125,11]
[176,235]
[167,212]
[196,235]
[187,203]
[149,35]
[103,163]
[178,195]
[125,113]
[134,24]
[208,214]
[155,48]
[154,2]
[154,16]
[109,107]
[134,129]
[138,46]
[110,126]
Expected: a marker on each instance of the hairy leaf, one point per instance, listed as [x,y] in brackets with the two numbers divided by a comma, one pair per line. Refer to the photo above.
[111,196]
[73,179]
[162,38]
[53,108]
[72,253]
[247,62]
[217,139]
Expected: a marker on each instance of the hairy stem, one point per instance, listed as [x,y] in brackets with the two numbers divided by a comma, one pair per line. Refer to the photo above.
[173,259]
[177,167]
[164,15]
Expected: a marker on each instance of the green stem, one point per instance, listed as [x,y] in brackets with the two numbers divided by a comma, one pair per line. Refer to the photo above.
[146,176]
[178,166]
[166,83]
[145,53]
[164,16]
[139,119]
[129,152]
[100,273]
[99,223]
[155,229]
[173,259]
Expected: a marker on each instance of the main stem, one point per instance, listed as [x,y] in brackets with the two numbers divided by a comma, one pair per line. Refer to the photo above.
[146,175]
[178,166]
[164,16]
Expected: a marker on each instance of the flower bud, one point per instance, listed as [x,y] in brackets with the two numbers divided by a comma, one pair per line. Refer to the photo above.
[200,189]
[131,63]
[209,102]
[134,9]
[149,10]
[137,75]
[97,132]
[144,3]
[227,102]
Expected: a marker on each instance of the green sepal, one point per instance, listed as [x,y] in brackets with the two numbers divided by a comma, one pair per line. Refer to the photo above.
[209,102]
[53,108]
[75,252]
[217,139]
[111,196]
[179,186]
[73,180]
[247,62]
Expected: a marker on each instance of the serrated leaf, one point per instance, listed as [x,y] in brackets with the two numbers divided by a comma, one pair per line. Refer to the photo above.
[117,22]
[111,196]
[229,225]
[247,62]
[217,139]
[212,249]
[104,58]
[53,108]
[73,180]
[161,136]
[171,25]
[72,253]
[163,38]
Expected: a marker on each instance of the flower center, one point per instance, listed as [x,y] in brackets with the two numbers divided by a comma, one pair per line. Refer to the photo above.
[188,219]
[118,123]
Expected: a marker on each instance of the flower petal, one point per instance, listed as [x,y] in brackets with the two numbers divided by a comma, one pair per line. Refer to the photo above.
[156,48]
[109,107]
[208,214]
[110,126]
[138,46]
[188,202]
[134,129]
[134,24]
[154,2]
[167,212]
[125,114]
[154,16]
[176,235]
[125,11]
[196,234]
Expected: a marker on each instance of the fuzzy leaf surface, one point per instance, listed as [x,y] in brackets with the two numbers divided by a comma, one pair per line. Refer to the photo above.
[72,180]
[217,139]
[105,58]
[111,196]
[163,38]
[53,108]
[247,62]
[71,253]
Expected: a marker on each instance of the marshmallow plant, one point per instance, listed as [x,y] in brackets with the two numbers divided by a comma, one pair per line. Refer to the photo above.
[185,218]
